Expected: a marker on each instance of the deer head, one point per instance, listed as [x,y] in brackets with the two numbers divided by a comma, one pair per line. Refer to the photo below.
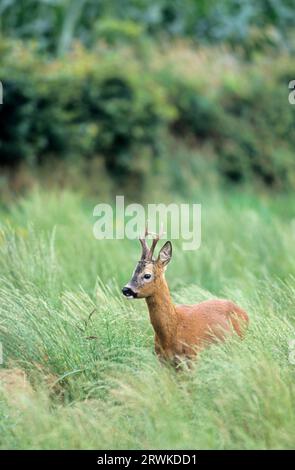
[148,271]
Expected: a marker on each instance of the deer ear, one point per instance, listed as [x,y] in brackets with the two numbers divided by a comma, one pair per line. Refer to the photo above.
[165,254]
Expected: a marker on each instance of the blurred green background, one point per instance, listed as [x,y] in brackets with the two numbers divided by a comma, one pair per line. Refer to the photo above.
[160,101]
[133,94]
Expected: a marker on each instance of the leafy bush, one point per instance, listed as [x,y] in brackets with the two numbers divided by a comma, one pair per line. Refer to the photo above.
[120,105]
[240,110]
[257,136]
[91,103]
[115,31]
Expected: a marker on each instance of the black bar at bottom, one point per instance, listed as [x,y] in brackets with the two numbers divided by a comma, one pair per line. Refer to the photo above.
[130,458]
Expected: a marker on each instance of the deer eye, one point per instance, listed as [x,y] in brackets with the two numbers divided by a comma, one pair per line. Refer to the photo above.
[147,276]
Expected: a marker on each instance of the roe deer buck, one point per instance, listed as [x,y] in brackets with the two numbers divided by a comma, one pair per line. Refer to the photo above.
[180,330]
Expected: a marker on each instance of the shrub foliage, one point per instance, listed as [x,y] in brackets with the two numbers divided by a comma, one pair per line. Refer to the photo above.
[121,103]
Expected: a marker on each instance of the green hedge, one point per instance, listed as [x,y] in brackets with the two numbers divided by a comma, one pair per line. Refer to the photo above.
[120,104]
[93,103]
[240,110]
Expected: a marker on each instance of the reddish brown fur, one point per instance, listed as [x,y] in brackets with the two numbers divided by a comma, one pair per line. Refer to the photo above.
[182,330]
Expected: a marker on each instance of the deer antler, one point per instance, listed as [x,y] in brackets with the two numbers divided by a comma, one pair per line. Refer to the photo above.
[147,253]
[145,248]
[156,238]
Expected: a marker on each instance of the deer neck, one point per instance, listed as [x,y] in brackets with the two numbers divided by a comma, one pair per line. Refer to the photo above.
[162,313]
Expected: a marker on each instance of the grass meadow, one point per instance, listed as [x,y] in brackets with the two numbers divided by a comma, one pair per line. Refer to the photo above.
[79,369]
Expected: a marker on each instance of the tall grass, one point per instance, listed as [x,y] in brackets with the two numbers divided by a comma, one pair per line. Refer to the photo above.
[93,379]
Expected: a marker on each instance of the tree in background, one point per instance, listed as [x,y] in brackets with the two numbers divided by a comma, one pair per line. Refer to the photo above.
[53,24]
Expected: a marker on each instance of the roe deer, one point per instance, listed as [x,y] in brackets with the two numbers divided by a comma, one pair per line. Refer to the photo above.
[180,330]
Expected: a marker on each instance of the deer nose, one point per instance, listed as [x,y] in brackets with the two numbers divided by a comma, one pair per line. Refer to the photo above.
[128,292]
